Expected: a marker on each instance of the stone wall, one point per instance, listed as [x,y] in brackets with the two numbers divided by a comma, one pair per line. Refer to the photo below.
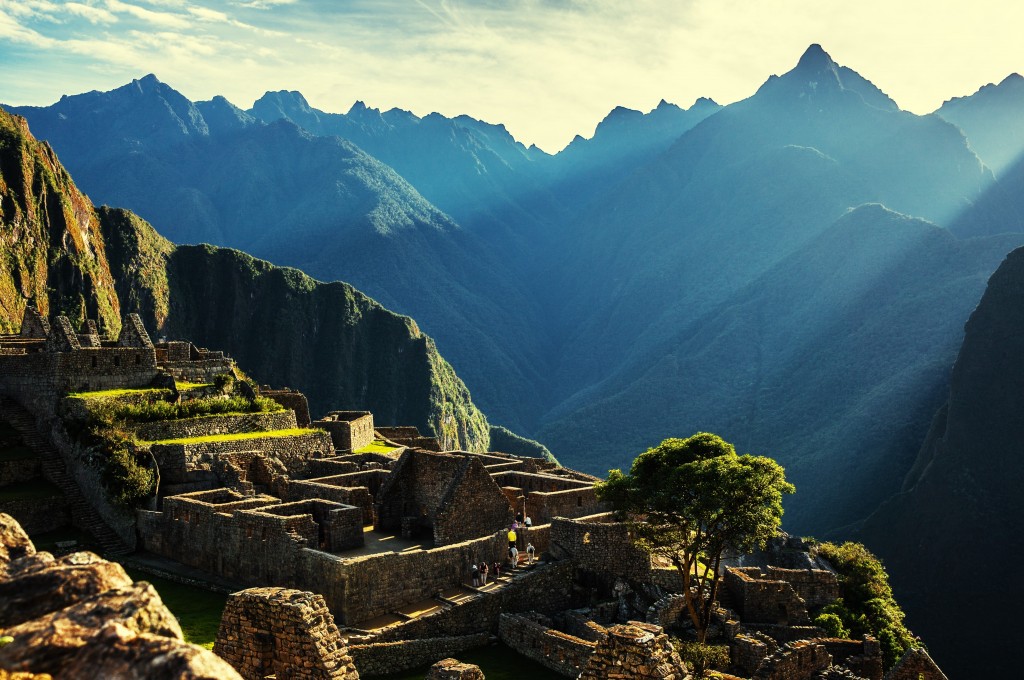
[37,380]
[449,497]
[636,650]
[916,664]
[862,657]
[794,661]
[250,540]
[292,400]
[38,516]
[563,653]
[286,633]
[763,600]
[183,463]
[22,470]
[599,545]
[817,587]
[547,589]
[382,658]
[328,489]
[209,425]
[349,430]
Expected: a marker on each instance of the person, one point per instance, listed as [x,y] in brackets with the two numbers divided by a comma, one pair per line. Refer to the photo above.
[519,518]
[511,538]
[497,570]
[528,523]
[475,571]
[531,552]
[513,554]
[483,573]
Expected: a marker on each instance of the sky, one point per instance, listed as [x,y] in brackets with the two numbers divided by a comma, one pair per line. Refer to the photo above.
[547,69]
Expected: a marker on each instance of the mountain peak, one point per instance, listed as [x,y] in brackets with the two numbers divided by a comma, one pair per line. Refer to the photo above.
[815,58]
[1012,79]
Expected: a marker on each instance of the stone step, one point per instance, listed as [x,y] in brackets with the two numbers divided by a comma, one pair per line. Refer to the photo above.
[82,512]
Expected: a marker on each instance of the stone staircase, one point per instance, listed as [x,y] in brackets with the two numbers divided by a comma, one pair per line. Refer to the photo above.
[82,512]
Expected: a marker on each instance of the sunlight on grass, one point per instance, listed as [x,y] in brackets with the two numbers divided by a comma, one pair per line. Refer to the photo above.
[376,447]
[292,432]
[108,394]
[182,385]
[197,610]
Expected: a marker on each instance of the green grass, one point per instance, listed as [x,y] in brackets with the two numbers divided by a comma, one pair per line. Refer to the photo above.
[182,385]
[19,452]
[36,489]
[197,610]
[498,662]
[376,447]
[109,394]
[292,432]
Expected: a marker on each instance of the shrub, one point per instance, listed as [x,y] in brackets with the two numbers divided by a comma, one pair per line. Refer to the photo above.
[124,475]
[702,657]
[832,625]
[868,605]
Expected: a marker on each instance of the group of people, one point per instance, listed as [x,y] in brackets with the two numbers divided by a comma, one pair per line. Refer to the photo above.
[480,572]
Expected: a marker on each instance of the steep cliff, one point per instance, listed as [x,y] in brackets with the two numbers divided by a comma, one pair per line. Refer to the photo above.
[329,340]
[50,243]
[961,503]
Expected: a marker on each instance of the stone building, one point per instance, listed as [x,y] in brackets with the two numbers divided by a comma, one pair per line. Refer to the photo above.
[448,498]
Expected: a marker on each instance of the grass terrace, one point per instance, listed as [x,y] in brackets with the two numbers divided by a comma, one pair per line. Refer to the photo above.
[377,447]
[293,432]
[110,394]
[182,385]
[197,610]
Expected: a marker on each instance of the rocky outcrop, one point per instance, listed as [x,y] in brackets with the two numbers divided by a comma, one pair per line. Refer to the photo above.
[341,348]
[453,669]
[635,651]
[962,499]
[80,616]
[50,239]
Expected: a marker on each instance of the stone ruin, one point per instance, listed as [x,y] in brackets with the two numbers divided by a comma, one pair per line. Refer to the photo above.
[635,650]
[289,634]
[385,541]
[453,669]
[79,616]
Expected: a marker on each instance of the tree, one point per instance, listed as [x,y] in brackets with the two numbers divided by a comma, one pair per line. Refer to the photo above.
[689,500]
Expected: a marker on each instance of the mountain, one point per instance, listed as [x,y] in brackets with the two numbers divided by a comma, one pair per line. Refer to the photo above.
[661,275]
[993,120]
[329,340]
[623,141]
[960,504]
[473,170]
[831,362]
[643,302]
[52,250]
[317,203]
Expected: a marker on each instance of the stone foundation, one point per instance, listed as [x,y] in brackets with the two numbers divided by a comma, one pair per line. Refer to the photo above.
[282,632]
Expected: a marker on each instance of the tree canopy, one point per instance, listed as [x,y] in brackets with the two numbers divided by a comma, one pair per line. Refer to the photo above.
[689,500]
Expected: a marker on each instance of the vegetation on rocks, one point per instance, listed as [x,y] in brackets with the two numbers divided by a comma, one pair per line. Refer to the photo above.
[868,604]
[690,500]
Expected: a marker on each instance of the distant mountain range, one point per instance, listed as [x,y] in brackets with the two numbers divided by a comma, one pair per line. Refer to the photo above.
[640,283]
[792,270]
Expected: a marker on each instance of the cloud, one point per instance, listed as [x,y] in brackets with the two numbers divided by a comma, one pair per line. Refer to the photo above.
[162,19]
[264,4]
[94,15]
